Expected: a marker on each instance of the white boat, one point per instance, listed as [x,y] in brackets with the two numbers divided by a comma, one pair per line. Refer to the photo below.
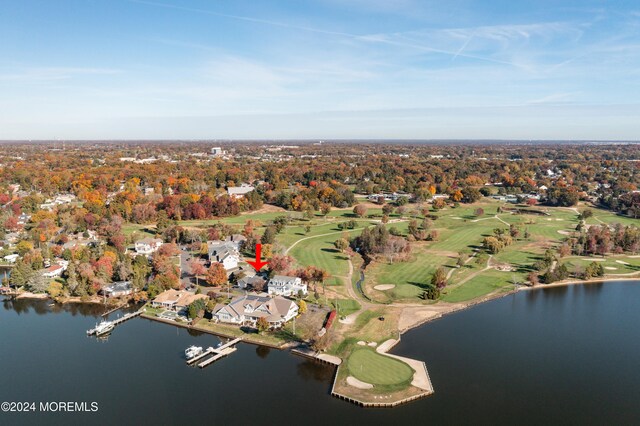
[103,328]
[192,351]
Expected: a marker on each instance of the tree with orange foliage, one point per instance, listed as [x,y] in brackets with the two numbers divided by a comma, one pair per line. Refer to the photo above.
[216,275]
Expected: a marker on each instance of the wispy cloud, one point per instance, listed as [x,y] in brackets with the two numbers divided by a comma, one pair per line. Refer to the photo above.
[53,73]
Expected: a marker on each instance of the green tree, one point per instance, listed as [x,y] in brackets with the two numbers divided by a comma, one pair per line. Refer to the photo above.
[439,278]
[262,325]
[341,244]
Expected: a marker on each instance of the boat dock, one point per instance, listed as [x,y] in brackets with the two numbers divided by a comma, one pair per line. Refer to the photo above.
[124,305]
[127,317]
[219,352]
[118,321]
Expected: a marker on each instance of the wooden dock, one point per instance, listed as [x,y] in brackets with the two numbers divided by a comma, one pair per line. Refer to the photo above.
[127,317]
[217,356]
[219,352]
[124,305]
[118,321]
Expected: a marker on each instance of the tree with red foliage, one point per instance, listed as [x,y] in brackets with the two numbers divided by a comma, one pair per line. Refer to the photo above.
[360,210]
[169,250]
[197,268]
[280,263]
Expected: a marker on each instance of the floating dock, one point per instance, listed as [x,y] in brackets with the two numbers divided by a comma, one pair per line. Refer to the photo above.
[219,352]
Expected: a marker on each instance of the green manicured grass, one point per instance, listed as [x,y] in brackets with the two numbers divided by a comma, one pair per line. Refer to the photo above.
[371,367]
[346,306]
[478,286]
[321,253]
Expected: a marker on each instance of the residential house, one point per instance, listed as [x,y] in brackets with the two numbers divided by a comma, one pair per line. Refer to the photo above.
[147,246]
[239,191]
[246,310]
[283,285]
[251,280]
[237,239]
[176,300]
[53,271]
[23,219]
[11,258]
[118,289]
[224,252]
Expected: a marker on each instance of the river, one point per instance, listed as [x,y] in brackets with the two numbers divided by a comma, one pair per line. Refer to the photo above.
[562,355]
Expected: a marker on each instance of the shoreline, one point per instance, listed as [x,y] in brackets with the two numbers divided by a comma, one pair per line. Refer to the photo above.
[453,308]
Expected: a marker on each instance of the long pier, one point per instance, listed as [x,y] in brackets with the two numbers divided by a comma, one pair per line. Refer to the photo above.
[127,317]
[219,352]
[117,308]
[118,321]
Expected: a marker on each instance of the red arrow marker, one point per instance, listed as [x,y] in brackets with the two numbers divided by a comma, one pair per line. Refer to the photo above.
[258,263]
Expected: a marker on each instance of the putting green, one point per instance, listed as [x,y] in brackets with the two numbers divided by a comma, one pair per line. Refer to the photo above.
[371,367]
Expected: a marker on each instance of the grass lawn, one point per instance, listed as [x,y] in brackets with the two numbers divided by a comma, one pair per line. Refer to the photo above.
[346,306]
[371,367]
[478,286]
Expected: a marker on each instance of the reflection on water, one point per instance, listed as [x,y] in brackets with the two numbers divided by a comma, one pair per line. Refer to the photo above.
[263,351]
[558,355]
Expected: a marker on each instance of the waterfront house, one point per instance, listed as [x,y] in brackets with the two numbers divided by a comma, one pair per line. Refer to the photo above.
[176,300]
[246,310]
[283,285]
[147,246]
[224,252]
[118,289]
[53,271]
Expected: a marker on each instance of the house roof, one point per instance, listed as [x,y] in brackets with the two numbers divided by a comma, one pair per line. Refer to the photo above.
[239,190]
[178,297]
[272,309]
[118,286]
[149,241]
[285,279]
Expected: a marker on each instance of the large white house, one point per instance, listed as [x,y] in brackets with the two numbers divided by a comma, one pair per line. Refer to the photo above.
[56,269]
[224,252]
[283,285]
[148,246]
[239,191]
[246,310]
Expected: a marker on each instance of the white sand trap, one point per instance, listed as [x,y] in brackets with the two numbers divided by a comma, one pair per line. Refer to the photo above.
[559,218]
[635,256]
[352,381]
[372,344]
[383,287]
[611,268]
[563,232]
[456,217]
[622,262]
[593,259]
[362,343]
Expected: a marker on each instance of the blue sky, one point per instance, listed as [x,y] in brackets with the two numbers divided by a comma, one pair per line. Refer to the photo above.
[405,69]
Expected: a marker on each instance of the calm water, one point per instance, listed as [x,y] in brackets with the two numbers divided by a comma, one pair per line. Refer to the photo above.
[554,356]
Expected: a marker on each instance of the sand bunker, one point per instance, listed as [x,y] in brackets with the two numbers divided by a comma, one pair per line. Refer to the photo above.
[622,262]
[352,381]
[563,232]
[383,287]
[372,344]
[611,268]
[362,343]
